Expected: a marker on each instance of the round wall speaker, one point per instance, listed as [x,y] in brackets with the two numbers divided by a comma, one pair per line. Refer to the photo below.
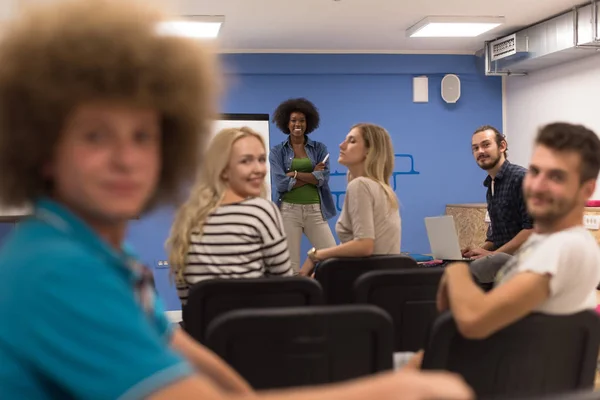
[450,88]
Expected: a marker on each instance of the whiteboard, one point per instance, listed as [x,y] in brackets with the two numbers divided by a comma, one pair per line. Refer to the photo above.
[256,122]
[13,212]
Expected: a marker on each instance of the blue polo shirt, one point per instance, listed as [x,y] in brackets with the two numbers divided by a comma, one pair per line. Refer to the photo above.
[71,326]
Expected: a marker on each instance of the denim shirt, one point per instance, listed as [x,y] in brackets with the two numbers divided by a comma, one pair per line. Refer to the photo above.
[281,157]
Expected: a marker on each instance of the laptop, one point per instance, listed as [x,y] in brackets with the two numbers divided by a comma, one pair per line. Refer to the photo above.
[443,238]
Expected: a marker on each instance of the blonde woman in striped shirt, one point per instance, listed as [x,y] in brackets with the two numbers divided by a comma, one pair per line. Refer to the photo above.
[227,229]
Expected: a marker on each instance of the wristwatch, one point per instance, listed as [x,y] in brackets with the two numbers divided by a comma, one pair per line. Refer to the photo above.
[312,254]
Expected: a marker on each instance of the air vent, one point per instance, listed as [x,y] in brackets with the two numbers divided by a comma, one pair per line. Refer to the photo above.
[507,46]
[563,38]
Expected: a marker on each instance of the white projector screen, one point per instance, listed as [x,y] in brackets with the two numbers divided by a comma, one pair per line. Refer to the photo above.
[11,212]
[256,122]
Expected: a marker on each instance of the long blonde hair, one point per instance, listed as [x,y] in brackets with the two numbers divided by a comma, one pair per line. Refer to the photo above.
[379,164]
[206,195]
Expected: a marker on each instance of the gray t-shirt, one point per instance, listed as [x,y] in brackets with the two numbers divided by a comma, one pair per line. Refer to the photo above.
[368,214]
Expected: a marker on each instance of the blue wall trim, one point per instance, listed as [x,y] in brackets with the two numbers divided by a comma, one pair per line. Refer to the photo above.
[339,194]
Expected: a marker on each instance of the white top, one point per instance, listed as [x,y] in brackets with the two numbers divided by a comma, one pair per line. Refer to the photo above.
[239,240]
[572,259]
[367,214]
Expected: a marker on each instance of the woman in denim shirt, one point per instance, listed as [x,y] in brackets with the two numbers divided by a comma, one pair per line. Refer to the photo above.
[301,178]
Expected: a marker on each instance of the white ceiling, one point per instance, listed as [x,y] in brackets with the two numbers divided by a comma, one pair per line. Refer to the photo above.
[358,25]
[349,25]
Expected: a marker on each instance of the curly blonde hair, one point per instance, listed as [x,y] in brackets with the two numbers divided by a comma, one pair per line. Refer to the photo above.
[206,195]
[60,55]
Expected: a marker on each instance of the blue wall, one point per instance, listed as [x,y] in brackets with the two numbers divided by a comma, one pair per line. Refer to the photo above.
[364,88]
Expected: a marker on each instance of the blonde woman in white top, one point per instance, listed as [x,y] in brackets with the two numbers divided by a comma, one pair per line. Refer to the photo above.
[369,223]
[227,229]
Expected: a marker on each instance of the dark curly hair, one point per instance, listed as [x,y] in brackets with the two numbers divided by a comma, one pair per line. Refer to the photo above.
[58,56]
[282,114]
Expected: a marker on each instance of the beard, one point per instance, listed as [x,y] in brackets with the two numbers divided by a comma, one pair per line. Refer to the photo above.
[552,210]
[488,163]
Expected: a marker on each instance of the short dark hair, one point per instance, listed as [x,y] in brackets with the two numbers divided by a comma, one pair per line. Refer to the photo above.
[282,114]
[101,50]
[562,136]
[497,135]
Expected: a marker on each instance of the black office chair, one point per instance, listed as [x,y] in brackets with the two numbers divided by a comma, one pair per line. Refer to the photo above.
[576,395]
[286,347]
[337,275]
[408,296]
[211,298]
[538,355]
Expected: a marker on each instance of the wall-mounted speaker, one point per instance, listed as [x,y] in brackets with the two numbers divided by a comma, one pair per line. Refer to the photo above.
[450,88]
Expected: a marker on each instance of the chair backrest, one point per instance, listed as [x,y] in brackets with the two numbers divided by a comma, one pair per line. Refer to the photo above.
[574,395]
[337,275]
[210,298]
[408,296]
[286,347]
[540,354]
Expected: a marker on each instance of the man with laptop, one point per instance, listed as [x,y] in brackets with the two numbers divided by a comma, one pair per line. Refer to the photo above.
[510,223]
[557,269]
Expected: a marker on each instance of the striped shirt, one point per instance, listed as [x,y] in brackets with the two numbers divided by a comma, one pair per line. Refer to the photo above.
[239,240]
